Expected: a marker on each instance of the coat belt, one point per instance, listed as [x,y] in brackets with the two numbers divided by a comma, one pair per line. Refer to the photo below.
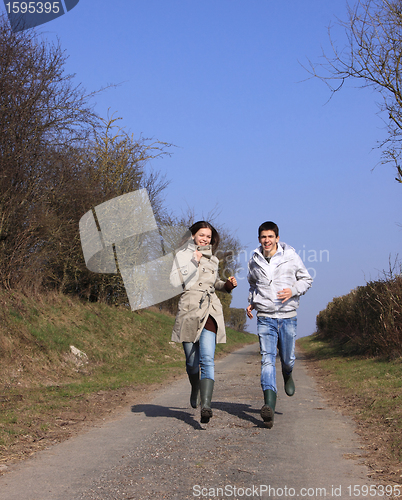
[205,294]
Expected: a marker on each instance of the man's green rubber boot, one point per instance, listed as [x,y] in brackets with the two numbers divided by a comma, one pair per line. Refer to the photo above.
[289,384]
[194,379]
[268,410]
[206,390]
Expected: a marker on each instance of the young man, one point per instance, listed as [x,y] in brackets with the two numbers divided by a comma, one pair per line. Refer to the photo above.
[277,278]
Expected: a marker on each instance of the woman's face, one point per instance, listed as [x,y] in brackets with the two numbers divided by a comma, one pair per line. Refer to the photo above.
[203,237]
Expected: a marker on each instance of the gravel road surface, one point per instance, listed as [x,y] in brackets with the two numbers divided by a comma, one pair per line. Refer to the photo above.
[159,450]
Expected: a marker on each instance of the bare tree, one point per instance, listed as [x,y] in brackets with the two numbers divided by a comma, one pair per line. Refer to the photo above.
[58,160]
[373,57]
[41,110]
[110,163]
[119,160]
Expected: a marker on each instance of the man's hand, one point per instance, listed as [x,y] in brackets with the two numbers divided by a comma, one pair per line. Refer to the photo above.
[248,311]
[284,294]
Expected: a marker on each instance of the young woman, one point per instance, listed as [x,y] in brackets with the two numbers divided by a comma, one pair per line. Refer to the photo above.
[199,322]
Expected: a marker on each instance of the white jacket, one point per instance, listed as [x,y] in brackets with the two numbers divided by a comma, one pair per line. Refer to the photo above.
[285,270]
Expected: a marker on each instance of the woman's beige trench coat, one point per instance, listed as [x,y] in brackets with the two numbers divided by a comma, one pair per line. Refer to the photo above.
[199,299]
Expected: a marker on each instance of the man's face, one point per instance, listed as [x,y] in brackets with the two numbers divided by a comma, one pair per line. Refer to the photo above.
[269,242]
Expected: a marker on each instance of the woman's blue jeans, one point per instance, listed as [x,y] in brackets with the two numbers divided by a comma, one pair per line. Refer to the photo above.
[276,333]
[201,355]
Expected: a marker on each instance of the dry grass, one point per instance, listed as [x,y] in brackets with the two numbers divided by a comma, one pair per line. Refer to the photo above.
[370,390]
[47,394]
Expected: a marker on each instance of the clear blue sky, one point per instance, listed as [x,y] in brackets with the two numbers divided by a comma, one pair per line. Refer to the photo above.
[223,81]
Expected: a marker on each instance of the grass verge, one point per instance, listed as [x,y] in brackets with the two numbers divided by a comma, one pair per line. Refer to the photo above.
[369,389]
[48,393]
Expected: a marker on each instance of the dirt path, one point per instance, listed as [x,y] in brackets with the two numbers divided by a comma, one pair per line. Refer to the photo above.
[159,450]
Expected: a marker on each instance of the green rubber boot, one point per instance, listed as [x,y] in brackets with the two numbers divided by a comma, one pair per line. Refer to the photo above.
[268,410]
[289,384]
[194,379]
[206,390]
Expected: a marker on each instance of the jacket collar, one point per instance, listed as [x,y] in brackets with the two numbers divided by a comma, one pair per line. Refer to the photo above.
[283,249]
[206,251]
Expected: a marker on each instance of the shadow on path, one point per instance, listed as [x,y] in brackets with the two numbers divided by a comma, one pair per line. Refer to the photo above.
[241,411]
[164,411]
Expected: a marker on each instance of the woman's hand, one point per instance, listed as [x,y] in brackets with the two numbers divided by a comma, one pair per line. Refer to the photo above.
[233,280]
[197,256]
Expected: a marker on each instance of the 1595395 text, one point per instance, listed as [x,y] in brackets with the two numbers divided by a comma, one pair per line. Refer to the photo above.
[33,7]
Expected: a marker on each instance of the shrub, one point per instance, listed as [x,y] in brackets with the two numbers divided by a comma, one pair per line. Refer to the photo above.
[368,320]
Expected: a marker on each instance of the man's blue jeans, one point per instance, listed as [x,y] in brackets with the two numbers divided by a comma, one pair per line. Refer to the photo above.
[273,333]
[201,355]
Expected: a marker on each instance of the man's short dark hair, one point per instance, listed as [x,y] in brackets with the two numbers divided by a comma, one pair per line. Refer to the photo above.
[268,226]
